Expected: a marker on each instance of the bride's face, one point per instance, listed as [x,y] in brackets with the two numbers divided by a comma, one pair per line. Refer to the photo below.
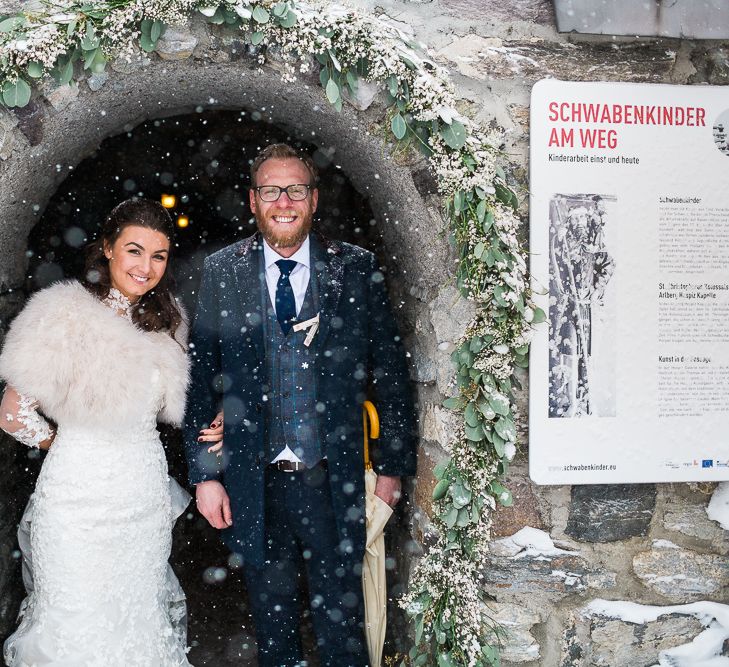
[137,260]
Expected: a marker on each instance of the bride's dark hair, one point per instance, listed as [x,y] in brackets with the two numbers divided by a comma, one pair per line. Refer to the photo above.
[156,310]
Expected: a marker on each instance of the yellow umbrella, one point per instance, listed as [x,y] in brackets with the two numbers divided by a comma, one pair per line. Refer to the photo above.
[373,566]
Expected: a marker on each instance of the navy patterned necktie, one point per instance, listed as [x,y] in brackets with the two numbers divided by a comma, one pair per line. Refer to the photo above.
[285,302]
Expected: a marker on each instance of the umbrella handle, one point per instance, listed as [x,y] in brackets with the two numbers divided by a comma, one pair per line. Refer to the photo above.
[370,419]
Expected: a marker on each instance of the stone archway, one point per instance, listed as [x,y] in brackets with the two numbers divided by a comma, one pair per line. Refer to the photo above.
[44,141]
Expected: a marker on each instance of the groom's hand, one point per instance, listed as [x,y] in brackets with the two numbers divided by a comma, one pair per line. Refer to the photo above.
[214,504]
[388,489]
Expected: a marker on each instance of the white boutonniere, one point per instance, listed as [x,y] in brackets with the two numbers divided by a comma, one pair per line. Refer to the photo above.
[312,325]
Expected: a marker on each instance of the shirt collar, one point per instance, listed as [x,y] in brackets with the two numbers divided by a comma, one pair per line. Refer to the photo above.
[302,255]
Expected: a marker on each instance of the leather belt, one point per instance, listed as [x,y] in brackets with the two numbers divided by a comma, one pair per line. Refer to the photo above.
[287,466]
[294,466]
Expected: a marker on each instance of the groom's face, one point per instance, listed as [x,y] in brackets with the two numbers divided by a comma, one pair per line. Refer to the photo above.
[284,223]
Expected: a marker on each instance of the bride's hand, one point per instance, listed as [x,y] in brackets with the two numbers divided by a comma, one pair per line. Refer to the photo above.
[214,434]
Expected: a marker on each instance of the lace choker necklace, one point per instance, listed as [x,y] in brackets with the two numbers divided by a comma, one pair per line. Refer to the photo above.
[119,303]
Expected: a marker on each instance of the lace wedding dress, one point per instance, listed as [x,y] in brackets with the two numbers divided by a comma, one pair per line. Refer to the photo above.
[96,535]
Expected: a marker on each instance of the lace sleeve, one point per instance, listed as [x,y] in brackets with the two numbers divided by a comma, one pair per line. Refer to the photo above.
[19,418]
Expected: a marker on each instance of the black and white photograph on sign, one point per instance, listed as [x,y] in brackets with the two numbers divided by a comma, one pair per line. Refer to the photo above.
[582,319]
[721,132]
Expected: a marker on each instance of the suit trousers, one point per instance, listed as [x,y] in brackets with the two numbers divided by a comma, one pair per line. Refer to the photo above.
[302,540]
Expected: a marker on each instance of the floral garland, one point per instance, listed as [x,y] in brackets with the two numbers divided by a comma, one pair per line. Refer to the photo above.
[446,594]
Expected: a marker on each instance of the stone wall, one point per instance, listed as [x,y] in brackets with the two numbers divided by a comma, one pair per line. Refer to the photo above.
[558,548]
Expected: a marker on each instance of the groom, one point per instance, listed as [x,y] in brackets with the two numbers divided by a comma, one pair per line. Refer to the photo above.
[292,333]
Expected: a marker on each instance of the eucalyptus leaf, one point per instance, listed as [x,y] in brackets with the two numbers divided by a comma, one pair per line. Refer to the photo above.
[441,488]
[472,419]
[481,210]
[332,91]
[478,250]
[506,429]
[439,469]
[289,20]
[338,104]
[499,403]
[261,15]
[458,200]
[445,660]
[486,410]
[71,27]
[324,76]
[145,41]
[464,517]
[450,517]
[461,495]
[12,23]
[539,316]
[156,30]
[280,9]
[257,38]
[474,434]
[35,69]
[399,126]
[352,79]
[16,94]
[454,135]
[90,41]
[335,60]
[453,403]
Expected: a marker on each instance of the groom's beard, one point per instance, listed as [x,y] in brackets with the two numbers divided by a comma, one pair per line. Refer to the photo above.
[285,236]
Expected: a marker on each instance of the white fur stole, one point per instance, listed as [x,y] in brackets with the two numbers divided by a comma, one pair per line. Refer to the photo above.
[85,364]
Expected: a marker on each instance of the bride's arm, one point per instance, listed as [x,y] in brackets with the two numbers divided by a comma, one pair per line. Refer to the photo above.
[19,417]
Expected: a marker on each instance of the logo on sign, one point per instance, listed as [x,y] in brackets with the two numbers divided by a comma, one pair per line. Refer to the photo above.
[707,463]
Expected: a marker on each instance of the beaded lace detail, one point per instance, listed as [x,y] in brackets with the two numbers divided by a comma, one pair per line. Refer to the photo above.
[118,302]
[33,428]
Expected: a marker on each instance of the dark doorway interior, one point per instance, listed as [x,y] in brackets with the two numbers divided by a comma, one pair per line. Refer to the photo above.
[202,159]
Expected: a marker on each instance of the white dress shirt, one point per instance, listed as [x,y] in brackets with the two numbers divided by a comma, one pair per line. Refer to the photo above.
[299,279]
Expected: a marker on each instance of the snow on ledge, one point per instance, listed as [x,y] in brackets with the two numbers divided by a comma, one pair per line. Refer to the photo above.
[703,651]
[527,543]
[718,509]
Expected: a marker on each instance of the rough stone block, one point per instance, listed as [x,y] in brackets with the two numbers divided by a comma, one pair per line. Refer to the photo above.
[96,81]
[551,573]
[718,66]
[30,121]
[176,44]
[682,575]
[537,11]
[450,314]
[608,513]
[60,96]
[439,425]
[524,511]
[8,123]
[693,521]
[488,58]
[597,641]
[519,645]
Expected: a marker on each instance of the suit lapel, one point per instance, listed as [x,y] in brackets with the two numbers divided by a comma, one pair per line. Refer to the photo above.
[250,283]
[328,268]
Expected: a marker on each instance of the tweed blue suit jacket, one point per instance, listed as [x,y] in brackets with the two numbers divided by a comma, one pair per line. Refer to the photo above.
[359,355]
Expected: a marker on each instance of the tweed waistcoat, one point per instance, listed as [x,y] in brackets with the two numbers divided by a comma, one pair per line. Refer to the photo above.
[291,367]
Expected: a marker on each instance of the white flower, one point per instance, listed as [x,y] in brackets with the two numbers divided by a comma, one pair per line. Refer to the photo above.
[509,451]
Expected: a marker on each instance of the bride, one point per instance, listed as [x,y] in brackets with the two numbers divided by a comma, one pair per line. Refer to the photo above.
[90,367]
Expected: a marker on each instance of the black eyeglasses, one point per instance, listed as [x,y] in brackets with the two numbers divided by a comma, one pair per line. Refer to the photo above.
[297,192]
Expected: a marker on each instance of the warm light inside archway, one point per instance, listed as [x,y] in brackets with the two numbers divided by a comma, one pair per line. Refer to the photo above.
[183,221]
[168,201]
